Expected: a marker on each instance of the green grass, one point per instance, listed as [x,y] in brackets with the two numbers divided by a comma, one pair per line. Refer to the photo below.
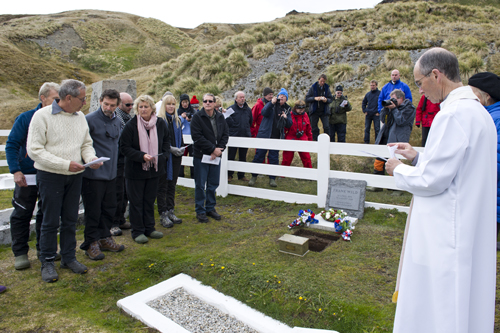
[352,283]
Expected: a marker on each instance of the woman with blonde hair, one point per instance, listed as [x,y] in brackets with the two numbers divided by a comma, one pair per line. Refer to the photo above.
[145,143]
[165,197]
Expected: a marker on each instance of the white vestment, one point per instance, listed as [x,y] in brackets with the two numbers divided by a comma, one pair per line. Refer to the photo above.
[449,267]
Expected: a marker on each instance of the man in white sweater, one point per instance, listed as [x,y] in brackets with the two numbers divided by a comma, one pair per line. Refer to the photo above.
[59,142]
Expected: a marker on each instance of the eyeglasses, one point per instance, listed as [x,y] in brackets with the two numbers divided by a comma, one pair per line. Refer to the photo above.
[129,104]
[208,101]
[81,99]
[418,83]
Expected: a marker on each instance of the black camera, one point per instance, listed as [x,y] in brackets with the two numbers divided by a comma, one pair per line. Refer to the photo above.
[389,101]
[189,114]
[299,134]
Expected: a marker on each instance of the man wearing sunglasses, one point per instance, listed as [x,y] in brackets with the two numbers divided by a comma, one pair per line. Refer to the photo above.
[119,222]
[210,134]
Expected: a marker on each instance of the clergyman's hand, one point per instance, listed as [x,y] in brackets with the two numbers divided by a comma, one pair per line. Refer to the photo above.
[405,149]
[75,167]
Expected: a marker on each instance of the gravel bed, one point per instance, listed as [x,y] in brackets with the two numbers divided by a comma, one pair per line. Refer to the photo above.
[195,315]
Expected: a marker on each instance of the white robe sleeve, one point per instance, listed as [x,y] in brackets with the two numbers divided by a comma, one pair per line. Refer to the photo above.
[438,165]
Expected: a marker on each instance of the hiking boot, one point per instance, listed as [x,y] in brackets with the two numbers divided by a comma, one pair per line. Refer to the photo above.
[116,231]
[173,218]
[165,221]
[49,273]
[202,218]
[126,225]
[22,262]
[141,239]
[213,214]
[75,266]
[272,183]
[156,235]
[57,258]
[109,244]
[252,181]
[94,252]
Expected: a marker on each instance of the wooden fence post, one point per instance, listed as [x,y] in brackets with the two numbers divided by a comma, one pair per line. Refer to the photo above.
[323,168]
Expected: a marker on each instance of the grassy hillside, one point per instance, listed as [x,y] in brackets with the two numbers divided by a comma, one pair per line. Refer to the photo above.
[352,47]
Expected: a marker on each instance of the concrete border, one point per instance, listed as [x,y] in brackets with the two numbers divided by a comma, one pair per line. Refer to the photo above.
[135,305]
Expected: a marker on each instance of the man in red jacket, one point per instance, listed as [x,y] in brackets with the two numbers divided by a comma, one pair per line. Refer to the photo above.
[257,108]
[426,111]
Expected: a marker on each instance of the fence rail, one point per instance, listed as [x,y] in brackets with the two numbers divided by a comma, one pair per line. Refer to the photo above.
[323,148]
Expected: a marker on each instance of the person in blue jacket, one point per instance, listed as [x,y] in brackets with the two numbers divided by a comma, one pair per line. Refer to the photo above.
[276,117]
[486,86]
[395,83]
[20,164]
[319,98]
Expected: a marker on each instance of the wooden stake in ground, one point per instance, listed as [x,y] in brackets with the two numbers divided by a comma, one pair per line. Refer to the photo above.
[401,258]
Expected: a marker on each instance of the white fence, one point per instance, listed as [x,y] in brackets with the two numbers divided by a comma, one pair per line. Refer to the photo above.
[323,147]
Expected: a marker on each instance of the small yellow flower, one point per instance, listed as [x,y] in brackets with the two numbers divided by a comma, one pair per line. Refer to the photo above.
[275,276]
[222,267]
[253,264]
[300,297]
[334,314]
[279,281]
[137,279]
[305,299]
[319,309]
[210,259]
[267,281]
[152,264]
[201,264]
[212,265]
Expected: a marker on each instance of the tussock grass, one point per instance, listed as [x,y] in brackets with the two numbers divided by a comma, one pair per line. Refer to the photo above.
[263,50]
[339,72]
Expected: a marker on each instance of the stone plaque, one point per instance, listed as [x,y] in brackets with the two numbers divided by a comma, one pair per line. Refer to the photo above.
[348,195]
[127,86]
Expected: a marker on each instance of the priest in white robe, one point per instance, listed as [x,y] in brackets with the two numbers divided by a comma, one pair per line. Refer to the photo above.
[448,274]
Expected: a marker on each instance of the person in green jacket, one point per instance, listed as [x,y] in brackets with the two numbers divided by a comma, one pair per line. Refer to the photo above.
[338,116]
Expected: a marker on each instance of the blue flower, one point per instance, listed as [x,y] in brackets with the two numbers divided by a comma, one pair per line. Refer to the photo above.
[338,227]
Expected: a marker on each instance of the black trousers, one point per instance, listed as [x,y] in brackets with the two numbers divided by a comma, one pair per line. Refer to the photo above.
[315,117]
[99,200]
[24,201]
[242,157]
[165,198]
[142,195]
[121,197]
[425,134]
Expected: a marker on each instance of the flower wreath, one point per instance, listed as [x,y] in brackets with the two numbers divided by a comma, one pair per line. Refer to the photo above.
[305,217]
[343,225]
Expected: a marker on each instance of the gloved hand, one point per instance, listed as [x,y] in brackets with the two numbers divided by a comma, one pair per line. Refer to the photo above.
[177,151]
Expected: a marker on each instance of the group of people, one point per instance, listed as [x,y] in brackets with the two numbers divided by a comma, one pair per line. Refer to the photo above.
[448,261]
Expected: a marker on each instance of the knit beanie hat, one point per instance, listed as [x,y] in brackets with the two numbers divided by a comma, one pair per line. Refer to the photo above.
[194,102]
[339,88]
[487,82]
[184,97]
[267,91]
[283,92]
[167,93]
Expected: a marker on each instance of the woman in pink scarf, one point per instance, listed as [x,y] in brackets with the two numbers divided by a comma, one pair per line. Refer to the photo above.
[145,144]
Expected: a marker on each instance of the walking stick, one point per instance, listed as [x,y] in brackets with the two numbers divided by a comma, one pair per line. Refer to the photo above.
[401,258]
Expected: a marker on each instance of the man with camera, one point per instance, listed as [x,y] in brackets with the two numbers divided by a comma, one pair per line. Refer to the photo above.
[319,97]
[338,117]
[276,117]
[398,114]
[239,123]
[395,83]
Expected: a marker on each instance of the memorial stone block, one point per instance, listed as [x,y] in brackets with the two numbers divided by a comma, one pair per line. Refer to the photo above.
[128,86]
[348,195]
[295,245]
